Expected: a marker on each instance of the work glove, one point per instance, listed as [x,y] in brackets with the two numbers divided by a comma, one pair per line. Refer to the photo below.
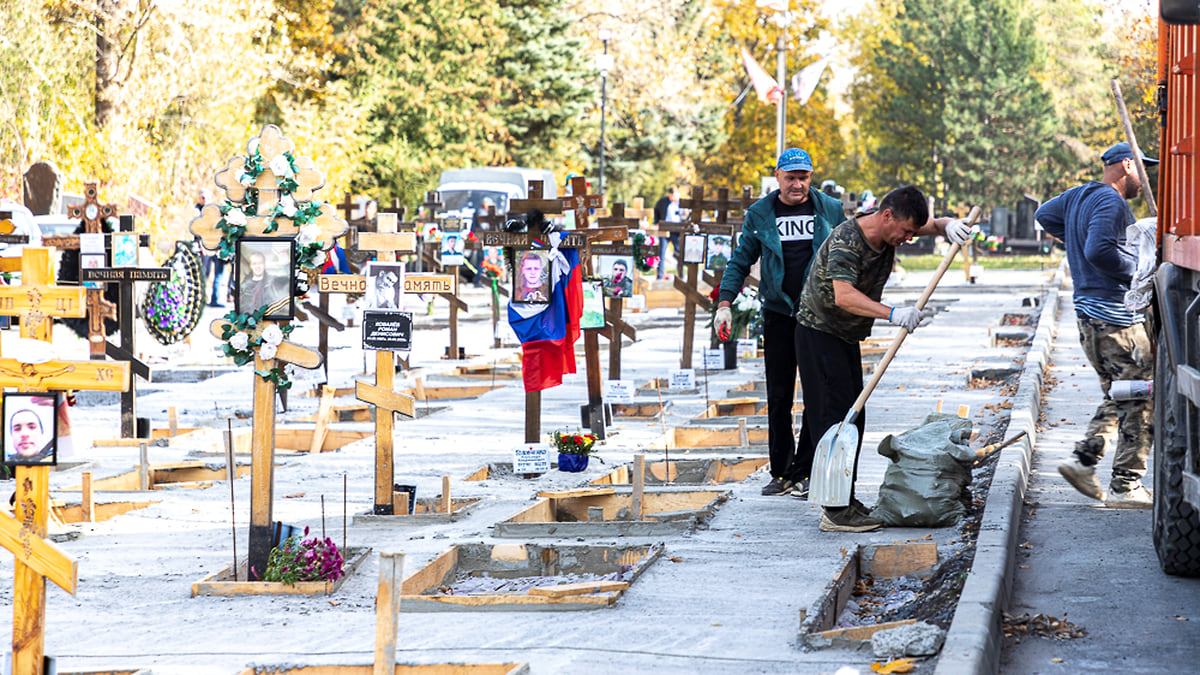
[959,232]
[722,322]
[910,318]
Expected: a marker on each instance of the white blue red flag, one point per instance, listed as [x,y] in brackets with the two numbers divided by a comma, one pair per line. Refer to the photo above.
[548,332]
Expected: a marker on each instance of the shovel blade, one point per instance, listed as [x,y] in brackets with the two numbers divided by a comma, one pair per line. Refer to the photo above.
[833,466]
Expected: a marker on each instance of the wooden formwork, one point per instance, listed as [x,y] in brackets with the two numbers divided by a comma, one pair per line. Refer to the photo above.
[602,513]
[446,392]
[818,623]
[487,371]
[77,513]
[400,669]
[639,411]
[702,437]
[426,511]
[500,470]
[661,384]
[425,589]
[175,475]
[687,472]
[222,582]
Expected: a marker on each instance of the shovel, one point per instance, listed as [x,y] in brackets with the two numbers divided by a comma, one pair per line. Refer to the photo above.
[833,462]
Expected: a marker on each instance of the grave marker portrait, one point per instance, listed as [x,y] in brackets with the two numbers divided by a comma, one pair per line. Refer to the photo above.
[264,277]
[30,429]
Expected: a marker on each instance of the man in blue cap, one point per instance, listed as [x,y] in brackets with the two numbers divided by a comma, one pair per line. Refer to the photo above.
[783,229]
[1091,220]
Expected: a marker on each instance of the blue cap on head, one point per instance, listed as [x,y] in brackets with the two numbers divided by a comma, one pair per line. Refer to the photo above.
[794,159]
[1122,151]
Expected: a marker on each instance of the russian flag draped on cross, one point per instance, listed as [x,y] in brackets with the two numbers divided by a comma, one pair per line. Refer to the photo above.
[548,332]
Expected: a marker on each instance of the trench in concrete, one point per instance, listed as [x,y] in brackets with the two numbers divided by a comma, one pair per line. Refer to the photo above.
[523,577]
[687,472]
[600,512]
[177,475]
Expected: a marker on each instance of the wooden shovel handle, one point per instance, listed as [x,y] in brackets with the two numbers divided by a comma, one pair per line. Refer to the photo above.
[861,401]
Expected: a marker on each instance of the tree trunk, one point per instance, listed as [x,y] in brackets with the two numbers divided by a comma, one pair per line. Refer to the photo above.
[107,60]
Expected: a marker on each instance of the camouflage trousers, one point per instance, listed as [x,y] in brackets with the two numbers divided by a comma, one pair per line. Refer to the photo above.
[1118,353]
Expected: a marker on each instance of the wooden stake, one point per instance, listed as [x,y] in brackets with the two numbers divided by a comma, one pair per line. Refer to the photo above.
[143,467]
[262,469]
[324,412]
[446,494]
[173,421]
[639,486]
[29,639]
[385,464]
[231,472]
[533,416]
[387,606]
[88,504]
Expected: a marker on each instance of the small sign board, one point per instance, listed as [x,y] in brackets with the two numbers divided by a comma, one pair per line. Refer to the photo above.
[532,458]
[747,348]
[682,378]
[618,391]
[593,306]
[714,359]
[387,331]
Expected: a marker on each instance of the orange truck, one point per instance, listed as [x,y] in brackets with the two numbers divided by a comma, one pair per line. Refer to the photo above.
[1177,294]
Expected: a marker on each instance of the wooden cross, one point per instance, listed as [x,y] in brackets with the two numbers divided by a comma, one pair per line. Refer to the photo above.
[126,276]
[386,401]
[695,224]
[327,227]
[91,212]
[428,214]
[615,326]
[579,202]
[533,240]
[36,559]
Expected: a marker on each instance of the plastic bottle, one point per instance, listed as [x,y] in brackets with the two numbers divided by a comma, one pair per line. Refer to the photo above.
[1131,390]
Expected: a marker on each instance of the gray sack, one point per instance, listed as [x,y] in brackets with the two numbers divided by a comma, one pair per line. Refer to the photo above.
[926,483]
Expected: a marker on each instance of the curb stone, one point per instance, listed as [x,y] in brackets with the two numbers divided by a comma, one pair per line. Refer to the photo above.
[972,645]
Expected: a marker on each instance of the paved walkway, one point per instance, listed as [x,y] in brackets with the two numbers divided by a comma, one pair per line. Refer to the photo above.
[1094,566]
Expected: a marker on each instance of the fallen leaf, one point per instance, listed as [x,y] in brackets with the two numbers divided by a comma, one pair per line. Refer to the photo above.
[1180,618]
[897,666]
[715,624]
[293,496]
[1056,660]
[334,603]
[1024,567]
[675,558]
[1025,544]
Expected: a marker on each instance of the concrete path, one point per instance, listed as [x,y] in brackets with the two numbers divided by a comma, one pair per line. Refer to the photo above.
[1093,566]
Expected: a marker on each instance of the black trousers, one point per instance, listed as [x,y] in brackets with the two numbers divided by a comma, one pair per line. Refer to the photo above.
[832,377]
[779,364]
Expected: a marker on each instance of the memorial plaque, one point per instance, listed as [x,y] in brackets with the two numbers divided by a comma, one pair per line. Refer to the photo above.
[387,331]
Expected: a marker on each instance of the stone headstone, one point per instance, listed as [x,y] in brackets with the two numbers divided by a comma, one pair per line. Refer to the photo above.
[43,188]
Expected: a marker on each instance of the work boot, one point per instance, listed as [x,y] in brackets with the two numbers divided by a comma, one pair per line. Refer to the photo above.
[1082,478]
[853,518]
[800,489]
[1137,497]
[777,486]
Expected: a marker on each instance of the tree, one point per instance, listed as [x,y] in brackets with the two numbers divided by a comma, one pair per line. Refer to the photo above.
[541,74]
[948,97]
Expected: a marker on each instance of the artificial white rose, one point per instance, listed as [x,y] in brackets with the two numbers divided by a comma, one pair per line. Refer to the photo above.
[309,234]
[245,179]
[272,334]
[236,217]
[287,206]
[281,167]
[266,352]
[239,341]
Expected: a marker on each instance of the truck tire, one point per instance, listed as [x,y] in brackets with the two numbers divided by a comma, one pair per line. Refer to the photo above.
[1176,523]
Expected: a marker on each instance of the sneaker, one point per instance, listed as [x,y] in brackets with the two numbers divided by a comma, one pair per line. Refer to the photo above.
[1136,498]
[800,489]
[1082,478]
[777,486]
[848,519]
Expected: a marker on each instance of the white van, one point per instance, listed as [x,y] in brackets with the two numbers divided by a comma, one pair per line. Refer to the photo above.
[463,190]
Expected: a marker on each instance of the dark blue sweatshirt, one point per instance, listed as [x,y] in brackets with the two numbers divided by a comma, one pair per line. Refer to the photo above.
[1091,219]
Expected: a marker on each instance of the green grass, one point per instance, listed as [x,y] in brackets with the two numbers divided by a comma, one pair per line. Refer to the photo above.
[917,263]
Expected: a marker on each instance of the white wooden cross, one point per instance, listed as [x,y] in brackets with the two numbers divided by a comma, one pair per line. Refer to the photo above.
[36,559]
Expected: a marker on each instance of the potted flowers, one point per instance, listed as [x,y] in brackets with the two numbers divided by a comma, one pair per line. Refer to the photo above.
[312,559]
[574,450]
